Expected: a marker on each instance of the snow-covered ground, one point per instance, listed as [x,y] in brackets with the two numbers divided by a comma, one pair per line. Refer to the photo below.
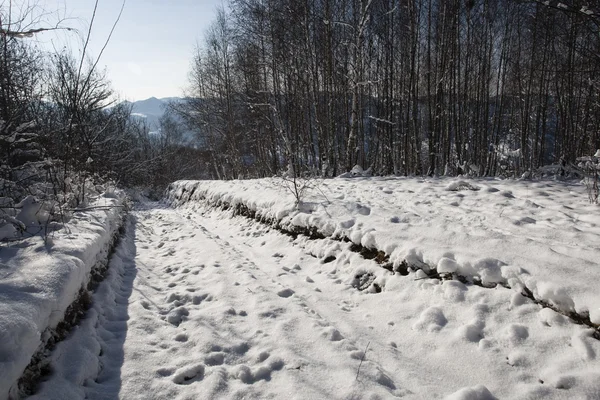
[200,304]
[40,277]
[543,234]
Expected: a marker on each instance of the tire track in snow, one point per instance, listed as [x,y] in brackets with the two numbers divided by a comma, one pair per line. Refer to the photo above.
[195,315]
[267,284]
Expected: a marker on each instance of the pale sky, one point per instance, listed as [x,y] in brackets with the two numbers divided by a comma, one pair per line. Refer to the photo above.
[151,48]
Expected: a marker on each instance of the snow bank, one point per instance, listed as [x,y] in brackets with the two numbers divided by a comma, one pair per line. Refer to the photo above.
[39,279]
[539,234]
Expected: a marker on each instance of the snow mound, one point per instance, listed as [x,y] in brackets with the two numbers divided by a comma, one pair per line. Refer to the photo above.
[478,392]
[431,320]
[460,185]
[356,172]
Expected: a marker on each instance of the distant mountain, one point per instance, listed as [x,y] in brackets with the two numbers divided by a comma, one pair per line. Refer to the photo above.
[150,109]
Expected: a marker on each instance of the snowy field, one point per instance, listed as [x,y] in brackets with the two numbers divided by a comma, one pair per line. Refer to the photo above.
[201,304]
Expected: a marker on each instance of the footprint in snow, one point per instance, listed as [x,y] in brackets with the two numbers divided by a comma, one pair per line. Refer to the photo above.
[285,293]
[173,297]
[263,356]
[333,335]
[231,311]
[198,299]
[188,374]
[240,348]
[263,372]
[177,315]
[164,372]
[216,358]
[363,210]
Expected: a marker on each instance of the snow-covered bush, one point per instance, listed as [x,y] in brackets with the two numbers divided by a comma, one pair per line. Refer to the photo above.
[37,195]
[591,168]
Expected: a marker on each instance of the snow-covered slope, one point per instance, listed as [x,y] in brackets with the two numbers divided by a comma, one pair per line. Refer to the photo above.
[40,278]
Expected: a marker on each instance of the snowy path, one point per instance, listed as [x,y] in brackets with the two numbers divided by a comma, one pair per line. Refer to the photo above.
[210,316]
[206,307]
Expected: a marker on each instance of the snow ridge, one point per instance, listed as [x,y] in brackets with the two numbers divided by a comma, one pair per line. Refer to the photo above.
[41,279]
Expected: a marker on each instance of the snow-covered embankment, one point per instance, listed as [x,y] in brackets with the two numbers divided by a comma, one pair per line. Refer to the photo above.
[537,237]
[45,285]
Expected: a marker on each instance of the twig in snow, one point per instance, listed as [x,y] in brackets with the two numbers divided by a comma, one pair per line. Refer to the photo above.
[436,275]
[361,360]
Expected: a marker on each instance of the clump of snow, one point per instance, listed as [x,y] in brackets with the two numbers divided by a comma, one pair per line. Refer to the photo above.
[490,270]
[555,294]
[478,392]
[447,265]
[549,317]
[460,185]
[431,319]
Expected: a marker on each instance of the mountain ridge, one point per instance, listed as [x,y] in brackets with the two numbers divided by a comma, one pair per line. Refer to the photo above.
[150,109]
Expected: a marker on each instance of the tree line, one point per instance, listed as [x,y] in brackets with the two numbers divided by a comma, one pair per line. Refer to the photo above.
[484,87]
[63,130]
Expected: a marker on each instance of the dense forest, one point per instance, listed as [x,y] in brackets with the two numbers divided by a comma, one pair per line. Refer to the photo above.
[406,87]
[437,87]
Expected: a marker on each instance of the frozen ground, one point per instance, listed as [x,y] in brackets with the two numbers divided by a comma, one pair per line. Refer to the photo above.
[203,305]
